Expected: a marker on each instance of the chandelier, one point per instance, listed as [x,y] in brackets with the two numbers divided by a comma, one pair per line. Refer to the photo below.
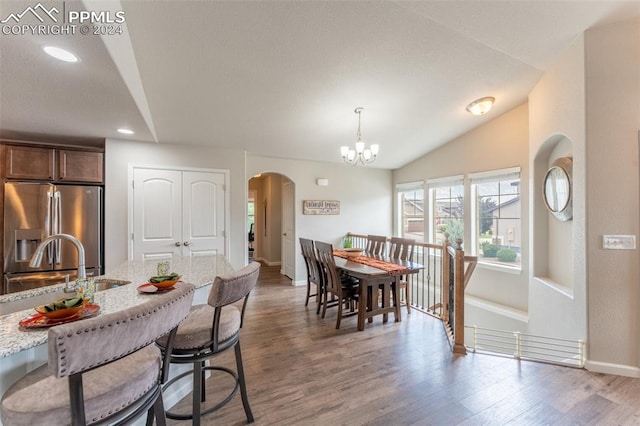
[360,154]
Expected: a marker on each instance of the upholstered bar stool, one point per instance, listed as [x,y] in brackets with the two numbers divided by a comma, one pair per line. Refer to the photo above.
[208,331]
[102,370]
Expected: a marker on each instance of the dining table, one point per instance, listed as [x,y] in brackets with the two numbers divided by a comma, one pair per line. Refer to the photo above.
[376,272]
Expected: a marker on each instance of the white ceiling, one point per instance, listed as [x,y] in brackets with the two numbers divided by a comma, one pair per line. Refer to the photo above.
[282,78]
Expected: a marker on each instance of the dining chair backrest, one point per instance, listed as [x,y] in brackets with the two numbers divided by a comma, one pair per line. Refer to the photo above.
[311,261]
[331,276]
[376,244]
[402,248]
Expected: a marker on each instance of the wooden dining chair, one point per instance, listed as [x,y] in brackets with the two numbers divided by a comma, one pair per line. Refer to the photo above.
[314,277]
[403,248]
[376,244]
[343,291]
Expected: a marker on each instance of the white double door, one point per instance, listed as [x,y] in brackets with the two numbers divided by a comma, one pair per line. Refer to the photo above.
[178,212]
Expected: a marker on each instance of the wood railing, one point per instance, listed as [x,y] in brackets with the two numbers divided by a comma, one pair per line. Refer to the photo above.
[438,289]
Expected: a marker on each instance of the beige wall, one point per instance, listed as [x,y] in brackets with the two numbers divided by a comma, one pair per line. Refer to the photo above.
[364,193]
[557,289]
[498,144]
[612,62]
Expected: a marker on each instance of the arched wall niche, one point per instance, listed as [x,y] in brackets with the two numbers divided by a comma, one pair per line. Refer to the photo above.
[553,242]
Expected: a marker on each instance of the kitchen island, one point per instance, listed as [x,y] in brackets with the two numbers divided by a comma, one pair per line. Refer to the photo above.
[21,350]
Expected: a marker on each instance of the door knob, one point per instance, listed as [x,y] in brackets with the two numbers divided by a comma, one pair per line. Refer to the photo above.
[186,243]
[178,244]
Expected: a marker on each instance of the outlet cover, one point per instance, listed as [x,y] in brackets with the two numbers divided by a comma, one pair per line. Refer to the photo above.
[619,242]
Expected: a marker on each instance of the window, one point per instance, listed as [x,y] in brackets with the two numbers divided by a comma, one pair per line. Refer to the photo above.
[411,210]
[447,209]
[497,211]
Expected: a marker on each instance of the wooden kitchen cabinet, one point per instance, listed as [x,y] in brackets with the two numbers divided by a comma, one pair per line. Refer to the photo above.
[80,166]
[26,162]
[51,163]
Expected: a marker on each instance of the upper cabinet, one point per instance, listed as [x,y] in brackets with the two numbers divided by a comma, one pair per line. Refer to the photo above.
[26,162]
[56,164]
[80,166]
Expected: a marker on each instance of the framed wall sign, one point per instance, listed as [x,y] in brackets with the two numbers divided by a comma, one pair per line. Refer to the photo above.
[320,207]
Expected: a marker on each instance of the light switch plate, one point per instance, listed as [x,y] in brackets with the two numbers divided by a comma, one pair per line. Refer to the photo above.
[619,242]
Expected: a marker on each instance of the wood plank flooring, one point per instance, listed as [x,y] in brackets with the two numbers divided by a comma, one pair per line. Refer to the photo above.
[302,371]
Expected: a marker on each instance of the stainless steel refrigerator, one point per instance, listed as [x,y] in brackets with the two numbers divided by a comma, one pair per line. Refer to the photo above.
[33,211]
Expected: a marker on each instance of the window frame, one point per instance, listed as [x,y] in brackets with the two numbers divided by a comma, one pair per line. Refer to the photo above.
[492,176]
[432,186]
[403,188]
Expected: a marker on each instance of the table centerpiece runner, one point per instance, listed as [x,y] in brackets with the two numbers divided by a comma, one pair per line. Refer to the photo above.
[391,268]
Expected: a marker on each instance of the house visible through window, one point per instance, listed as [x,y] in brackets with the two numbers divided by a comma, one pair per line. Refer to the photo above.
[411,210]
[497,210]
[447,209]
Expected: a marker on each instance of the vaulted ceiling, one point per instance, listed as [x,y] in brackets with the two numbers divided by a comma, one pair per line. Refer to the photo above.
[282,78]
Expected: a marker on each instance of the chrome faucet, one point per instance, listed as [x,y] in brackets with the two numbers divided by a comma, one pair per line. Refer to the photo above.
[36,259]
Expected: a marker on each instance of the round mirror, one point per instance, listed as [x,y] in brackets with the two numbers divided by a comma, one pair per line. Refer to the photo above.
[557,188]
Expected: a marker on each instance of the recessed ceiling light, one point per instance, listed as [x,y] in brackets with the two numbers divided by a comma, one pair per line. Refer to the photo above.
[126,131]
[481,106]
[61,54]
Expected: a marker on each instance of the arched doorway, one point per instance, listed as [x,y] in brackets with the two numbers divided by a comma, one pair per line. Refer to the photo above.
[271,221]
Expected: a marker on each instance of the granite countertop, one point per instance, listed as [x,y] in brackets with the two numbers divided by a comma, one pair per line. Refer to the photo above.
[200,271]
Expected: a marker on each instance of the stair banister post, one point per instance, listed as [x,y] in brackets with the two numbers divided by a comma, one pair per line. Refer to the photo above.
[445,277]
[458,286]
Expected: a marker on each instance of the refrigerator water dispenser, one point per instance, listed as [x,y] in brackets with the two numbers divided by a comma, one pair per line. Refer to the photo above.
[26,242]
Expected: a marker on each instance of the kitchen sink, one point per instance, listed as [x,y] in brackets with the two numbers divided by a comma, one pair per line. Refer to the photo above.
[107,283]
[41,299]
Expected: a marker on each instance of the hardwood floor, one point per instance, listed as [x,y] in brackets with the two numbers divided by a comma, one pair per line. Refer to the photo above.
[302,371]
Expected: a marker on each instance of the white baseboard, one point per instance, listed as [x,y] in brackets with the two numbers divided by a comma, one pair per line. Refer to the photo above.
[608,368]
[297,283]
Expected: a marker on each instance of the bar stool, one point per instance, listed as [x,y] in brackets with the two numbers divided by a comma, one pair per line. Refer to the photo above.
[103,370]
[208,331]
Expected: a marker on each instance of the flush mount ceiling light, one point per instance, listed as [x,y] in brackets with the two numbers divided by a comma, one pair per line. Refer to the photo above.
[61,54]
[481,106]
[125,131]
[360,155]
